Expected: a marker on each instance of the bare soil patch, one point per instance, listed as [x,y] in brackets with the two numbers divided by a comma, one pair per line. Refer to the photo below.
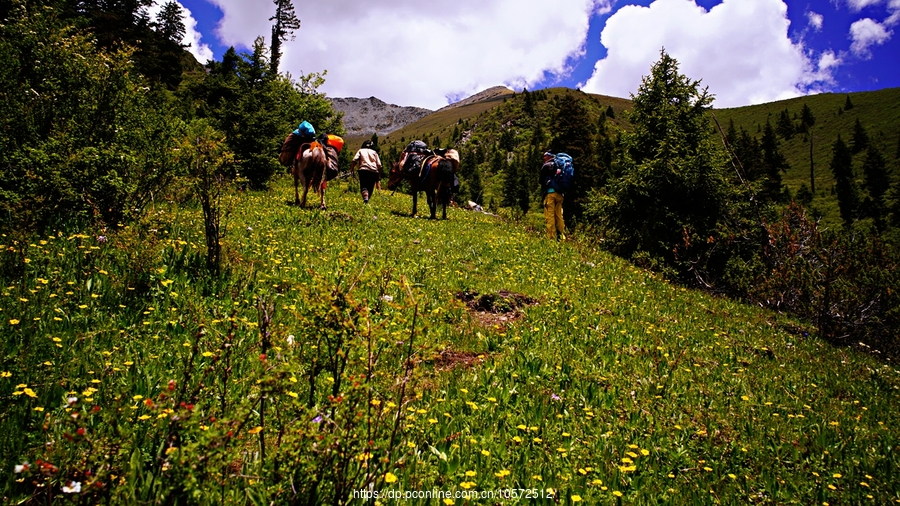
[495,309]
[449,359]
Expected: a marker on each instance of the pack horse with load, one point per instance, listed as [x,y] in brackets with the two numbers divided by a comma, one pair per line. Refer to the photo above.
[431,171]
[313,161]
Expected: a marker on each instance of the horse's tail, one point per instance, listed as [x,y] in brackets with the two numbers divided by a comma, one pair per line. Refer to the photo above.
[453,156]
[446,170]
[312,163]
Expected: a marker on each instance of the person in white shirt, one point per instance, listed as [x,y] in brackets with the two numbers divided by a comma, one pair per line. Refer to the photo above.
[369,170]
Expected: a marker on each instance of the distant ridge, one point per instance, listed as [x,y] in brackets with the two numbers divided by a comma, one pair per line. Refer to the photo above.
[487,94]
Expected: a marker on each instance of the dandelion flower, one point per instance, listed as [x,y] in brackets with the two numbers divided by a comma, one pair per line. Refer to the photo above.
[390,477]
[576,498]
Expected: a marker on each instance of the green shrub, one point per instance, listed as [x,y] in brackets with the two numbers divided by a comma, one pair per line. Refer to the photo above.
[80,136]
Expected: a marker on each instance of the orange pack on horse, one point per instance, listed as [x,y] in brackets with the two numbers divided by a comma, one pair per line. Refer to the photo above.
[316,164]
[433,172]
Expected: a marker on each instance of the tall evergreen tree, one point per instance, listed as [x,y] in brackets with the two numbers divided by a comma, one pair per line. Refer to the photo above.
[807,119]
[673,189]
[860,139]
[528,103]
[576,136]
[845,186]
[774,163]
[170,21]
[748,153]
[848,104]
[784,126]
[877,180]
[286,23]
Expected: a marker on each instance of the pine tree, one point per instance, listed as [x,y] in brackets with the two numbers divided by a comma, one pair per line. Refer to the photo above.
[528,105]
[747,150]
[860,139]
[848,104]
[845,186]
[673,189]
[774,163]
[807,119]
[171,22]
[576,135]
[784,126]
[286,23]
[877,180]
[476,188]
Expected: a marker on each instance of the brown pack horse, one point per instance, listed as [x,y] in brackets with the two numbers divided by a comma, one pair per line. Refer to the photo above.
[433,174]
[309,170]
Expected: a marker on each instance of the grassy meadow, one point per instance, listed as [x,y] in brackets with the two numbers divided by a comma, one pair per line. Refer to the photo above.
[359,347]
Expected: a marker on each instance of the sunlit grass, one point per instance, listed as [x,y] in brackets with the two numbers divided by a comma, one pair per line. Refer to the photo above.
[614,386]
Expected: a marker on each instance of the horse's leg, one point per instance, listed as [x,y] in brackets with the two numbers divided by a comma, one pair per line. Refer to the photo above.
[432,202]
[322,192]
[305,191]
[415,192]
[296,175]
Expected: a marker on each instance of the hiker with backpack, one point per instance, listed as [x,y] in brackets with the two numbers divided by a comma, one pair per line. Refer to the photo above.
[369,172]
[556,179]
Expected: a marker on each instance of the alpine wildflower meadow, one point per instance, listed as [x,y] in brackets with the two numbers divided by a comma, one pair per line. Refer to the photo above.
[360,349]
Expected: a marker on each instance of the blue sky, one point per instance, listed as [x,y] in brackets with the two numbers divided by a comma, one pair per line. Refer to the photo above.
[430,53]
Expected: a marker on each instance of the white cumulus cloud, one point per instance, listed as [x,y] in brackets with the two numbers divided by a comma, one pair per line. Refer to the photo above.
[866,33]
[740,49]
[815,20]
[858,5]
[201,51]
[411,52]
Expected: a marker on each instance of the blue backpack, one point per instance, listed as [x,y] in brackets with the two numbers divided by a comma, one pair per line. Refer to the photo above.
[562,182]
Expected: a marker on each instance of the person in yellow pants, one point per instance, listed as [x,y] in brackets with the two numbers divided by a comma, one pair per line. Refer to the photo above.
[553,201]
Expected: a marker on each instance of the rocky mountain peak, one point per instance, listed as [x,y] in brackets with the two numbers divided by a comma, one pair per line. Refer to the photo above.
[363,116]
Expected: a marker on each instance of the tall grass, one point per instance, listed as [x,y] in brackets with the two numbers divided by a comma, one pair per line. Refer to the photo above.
[312,367]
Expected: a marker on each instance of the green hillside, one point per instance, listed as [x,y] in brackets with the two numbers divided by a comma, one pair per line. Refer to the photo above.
[360,347]
[441,123]
[878,112]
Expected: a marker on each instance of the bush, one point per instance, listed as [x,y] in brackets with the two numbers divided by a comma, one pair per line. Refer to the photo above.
[845,284]
[80,136]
